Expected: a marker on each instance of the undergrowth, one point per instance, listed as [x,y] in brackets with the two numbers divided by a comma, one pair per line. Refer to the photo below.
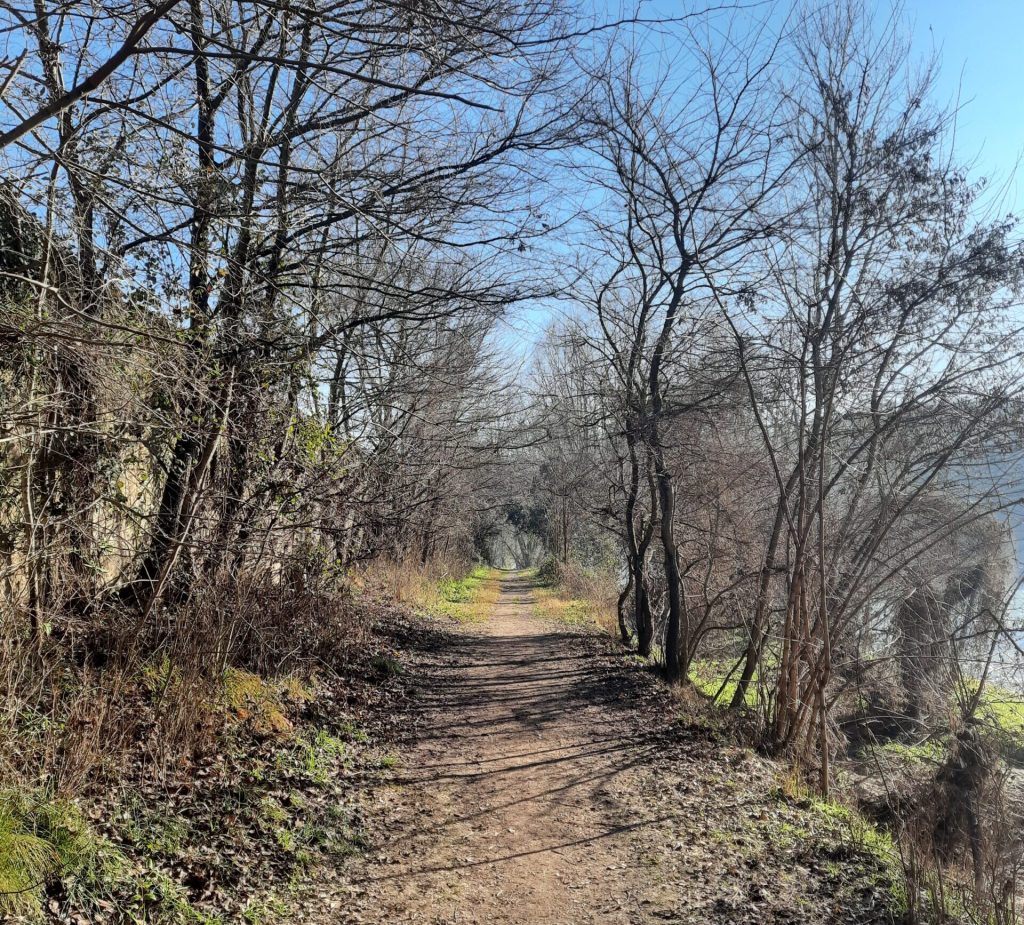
[719,680]
[573,596]
[166,790]
[843,835]
[469,599]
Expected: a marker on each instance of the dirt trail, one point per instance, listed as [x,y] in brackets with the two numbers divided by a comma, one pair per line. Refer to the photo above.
[542,792]
[511,783]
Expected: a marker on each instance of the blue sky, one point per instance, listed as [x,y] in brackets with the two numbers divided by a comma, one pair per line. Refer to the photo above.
[981,43]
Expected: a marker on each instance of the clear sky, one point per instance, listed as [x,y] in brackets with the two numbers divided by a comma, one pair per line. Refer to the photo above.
[981,44]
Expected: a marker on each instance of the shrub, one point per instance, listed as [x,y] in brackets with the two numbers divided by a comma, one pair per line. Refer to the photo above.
[549,572]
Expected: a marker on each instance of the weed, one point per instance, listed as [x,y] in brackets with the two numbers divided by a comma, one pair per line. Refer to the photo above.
[26,863]
[154,832]
[386,666]
[158,899]
[255,701]
[316,756]
[272,812]
[352,733]
[269,909]
[44,839]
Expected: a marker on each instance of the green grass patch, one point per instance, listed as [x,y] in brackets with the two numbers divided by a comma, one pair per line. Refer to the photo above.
[868,854]
[469,599]
[44,841]
[709,677]
[875,845]
[1001,712]
[932,751]
[1003,709]
[318,755]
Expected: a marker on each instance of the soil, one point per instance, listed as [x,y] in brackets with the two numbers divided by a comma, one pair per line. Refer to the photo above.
[554,780]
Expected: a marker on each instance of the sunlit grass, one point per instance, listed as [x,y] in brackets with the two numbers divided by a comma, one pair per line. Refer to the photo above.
[554,603]
[713,679]
[470,599]
[1001,711]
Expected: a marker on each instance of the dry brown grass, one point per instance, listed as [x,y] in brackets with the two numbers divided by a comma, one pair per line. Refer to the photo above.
[570,595]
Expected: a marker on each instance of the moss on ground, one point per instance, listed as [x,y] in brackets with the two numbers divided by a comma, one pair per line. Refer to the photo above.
[254,701]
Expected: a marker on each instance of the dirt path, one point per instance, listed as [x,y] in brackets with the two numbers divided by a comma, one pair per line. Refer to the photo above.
[542,792]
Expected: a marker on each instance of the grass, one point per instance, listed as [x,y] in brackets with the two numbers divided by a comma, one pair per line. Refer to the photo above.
[46,840]
[470,599]
[317,756]
[1001,711]
[152,831]
[931,752]
[842,832]
[875,845]
[709,675]
[258,911]
[1004,710]
[304,836]
[26,862]
[551,605]
[54,861]
[554,602]
[386,666]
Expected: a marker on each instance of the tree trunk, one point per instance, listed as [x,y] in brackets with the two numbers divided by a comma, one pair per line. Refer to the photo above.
[674,631]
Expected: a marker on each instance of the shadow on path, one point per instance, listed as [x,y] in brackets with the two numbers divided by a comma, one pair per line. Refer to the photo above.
[524,736]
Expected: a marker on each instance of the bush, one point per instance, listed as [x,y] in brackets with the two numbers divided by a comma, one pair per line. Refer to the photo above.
[549,572]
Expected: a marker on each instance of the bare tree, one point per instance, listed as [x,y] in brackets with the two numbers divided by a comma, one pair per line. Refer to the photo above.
[879,356]
[686,170]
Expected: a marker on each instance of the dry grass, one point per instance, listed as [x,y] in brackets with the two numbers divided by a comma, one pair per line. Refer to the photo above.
[439,588]
[577,599]
[413,584]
